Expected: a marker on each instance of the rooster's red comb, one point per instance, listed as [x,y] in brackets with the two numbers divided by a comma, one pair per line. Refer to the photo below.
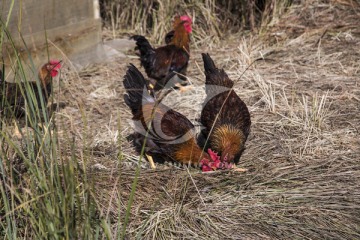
[186,18]
[213,155]
[55,63]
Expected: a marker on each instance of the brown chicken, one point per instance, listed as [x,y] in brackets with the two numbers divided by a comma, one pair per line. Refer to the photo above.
[161,64]
[12,101]
[166,134]
[225,117]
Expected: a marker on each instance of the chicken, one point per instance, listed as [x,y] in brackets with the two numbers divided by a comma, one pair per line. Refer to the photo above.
[225,117]
[12,99]
[162,64]
[166,134]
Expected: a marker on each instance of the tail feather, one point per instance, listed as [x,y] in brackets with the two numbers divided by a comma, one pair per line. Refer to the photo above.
[215,76]
[209,64]
[147,52]
[142,44]
[136,88]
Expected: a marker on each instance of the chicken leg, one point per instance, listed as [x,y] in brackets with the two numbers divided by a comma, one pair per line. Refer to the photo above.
[183,89]
[237,169]
[151,161]
[151,86]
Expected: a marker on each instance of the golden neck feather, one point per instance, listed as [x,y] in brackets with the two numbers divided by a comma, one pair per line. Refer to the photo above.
[181,37]
[44,76]
[189,152]
[227,137]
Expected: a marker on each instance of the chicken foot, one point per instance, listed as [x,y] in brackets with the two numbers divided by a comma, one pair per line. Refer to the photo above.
[151,161]
[238,169]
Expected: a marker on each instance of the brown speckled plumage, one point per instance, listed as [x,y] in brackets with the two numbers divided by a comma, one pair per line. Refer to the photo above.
[171,135]
[225,116]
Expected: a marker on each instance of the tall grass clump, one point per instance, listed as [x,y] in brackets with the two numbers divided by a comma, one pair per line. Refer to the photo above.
[45,194]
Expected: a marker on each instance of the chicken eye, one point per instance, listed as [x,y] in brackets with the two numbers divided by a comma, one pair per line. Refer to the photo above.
[226,157]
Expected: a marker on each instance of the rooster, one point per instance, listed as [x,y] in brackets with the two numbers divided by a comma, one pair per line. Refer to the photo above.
[166,134]
[162,64]
[12,98]
[225,117]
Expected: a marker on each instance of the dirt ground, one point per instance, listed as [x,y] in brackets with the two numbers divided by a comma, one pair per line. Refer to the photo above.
[303,153]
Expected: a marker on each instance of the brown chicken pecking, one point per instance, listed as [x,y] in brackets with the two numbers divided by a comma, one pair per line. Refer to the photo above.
[13,101]
[167,134]
[225,117]
[161,64]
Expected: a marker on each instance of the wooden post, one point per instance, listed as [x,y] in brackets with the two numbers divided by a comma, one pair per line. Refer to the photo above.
[49,27]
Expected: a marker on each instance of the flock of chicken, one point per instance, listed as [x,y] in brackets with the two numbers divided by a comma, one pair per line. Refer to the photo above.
[162,133]
[167,135]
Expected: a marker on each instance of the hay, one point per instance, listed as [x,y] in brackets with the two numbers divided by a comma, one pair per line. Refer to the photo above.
[284,202]
[212,18]
[302,154]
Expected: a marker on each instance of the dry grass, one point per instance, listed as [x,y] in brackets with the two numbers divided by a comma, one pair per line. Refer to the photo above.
[213,19]
[303,152]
